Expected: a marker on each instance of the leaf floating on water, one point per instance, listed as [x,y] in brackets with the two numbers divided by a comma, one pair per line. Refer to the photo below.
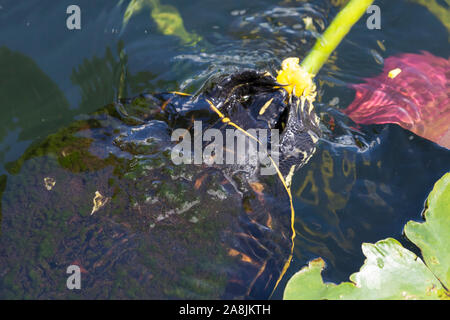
[99,201]
[381,277]
[49,183]
[391,271]
[413,91]
[433,235]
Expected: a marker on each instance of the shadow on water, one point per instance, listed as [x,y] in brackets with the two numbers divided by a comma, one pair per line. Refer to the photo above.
[32,103]
[363,184]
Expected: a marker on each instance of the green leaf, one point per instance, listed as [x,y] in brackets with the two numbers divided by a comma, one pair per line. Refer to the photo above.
[433,236]
[391,271]
[166,17]
[441,12]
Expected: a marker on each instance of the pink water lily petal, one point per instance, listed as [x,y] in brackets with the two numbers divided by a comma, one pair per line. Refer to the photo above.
[417,98]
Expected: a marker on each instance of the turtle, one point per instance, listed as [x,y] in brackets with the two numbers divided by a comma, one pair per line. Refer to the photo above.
[104,195]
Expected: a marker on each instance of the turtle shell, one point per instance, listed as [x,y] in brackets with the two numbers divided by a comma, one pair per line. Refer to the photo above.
[105,195]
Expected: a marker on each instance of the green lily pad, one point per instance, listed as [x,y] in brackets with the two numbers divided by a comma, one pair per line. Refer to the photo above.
[391,271]
[433,236]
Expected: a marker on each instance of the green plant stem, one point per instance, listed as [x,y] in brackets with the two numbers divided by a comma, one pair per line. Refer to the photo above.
[334,34]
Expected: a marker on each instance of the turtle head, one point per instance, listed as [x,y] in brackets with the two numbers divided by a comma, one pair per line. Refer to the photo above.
[256,100]
[295,79]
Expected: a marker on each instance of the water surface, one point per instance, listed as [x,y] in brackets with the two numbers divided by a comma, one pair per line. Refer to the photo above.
[363,184]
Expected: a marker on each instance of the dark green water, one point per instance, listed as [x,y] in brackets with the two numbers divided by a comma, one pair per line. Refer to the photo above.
[346,195]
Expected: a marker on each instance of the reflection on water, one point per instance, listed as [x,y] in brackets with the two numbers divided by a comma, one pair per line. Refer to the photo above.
[362,185]
[367,196]
[31,104]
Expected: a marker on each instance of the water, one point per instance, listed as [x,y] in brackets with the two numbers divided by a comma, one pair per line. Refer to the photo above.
[346,195]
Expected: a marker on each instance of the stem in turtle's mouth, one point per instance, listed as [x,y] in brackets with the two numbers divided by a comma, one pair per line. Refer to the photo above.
[296,77]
